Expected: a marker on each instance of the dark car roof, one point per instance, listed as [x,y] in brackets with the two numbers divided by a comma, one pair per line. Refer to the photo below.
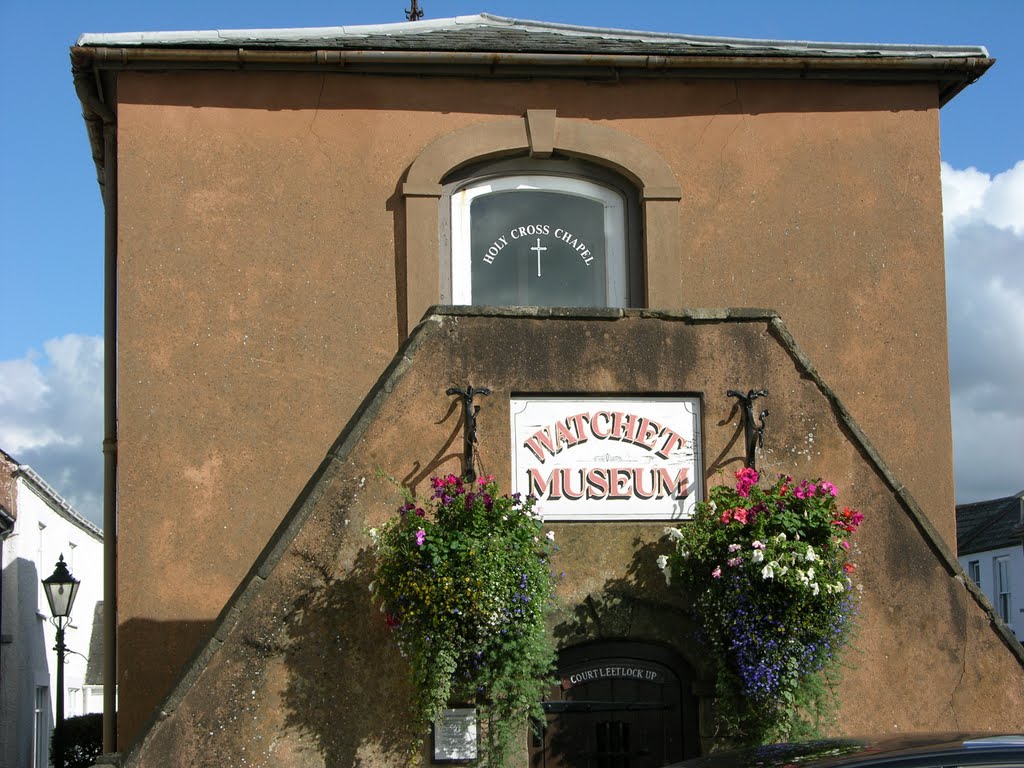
[908,751]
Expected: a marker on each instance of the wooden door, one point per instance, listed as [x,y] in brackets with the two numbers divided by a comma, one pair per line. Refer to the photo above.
[617,705]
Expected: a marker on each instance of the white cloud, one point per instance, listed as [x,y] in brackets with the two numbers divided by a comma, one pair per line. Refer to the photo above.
[984,225]
[51,417]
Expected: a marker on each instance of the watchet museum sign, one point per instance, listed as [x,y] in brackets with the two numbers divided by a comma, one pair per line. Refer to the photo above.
[600,458]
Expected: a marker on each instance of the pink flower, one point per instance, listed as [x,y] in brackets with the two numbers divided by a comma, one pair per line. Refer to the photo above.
[421,536]
[739,514]
[757,545]
[717,573]
[732,563]
[745,480]
[845,545]
[828,488]
[735,547]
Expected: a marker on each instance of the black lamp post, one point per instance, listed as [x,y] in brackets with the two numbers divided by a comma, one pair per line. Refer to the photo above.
[61,588]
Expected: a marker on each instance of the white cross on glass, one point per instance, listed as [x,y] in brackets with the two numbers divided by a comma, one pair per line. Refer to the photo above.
[538,248]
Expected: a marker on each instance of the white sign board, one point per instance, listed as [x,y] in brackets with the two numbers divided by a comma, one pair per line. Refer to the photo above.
[455,735]
[608,458]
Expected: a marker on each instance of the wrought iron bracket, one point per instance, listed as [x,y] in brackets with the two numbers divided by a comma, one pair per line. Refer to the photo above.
[469,435]
[753,433]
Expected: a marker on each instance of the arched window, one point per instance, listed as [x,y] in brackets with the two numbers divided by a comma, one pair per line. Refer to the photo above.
[652,265]
[543,233]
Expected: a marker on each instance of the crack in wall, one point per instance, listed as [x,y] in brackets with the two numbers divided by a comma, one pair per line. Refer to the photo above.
[316,113]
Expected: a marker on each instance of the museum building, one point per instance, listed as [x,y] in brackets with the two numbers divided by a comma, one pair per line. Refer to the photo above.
[322,243]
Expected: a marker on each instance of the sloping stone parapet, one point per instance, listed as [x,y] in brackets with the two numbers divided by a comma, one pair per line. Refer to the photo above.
[300,669]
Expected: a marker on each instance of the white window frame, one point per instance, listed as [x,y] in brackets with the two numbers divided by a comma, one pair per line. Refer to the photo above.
[974,571]
[41,728]
[1001,587]
[617,282]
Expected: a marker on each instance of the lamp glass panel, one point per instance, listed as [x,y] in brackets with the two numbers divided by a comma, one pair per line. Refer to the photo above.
[61,596]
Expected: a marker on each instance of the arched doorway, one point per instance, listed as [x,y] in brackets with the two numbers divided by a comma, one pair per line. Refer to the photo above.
[617,705]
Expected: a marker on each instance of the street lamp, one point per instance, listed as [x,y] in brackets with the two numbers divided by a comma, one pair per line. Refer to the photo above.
[61,588]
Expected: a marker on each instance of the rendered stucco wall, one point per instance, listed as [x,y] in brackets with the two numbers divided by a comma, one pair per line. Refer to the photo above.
[262,285]
[303,672]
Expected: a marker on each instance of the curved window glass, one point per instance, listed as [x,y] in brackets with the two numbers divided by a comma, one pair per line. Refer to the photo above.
[539,240]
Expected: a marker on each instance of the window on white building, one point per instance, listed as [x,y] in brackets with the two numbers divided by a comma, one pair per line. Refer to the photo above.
[41,742]
[1001,589]
[974,571]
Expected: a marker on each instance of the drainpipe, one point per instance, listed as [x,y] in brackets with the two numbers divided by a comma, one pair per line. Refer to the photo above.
[100,118]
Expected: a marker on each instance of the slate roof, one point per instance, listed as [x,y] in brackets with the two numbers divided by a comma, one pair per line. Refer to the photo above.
[94,660]
[991,524]
[485,32]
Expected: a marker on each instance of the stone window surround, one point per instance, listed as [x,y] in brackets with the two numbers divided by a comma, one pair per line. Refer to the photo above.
[539,134]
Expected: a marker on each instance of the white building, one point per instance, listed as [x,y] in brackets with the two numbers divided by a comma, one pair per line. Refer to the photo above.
[990,541]
[37,526]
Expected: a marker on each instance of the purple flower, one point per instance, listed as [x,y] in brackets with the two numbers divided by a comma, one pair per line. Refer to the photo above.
[421,536]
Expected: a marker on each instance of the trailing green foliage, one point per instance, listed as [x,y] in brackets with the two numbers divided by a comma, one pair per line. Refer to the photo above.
[769,569]
[465,583]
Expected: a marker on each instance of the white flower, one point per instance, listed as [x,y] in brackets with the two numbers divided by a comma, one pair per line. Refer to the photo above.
[373,535]
[713,506]
[810,556]
[674,534]
[757,557]
[781,537]
[550,535]
[662,562]
[768,572]
[373,586]
[810,573]
[814,588]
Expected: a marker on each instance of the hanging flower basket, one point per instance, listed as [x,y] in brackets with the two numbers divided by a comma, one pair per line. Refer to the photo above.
[770,571]
[465,583]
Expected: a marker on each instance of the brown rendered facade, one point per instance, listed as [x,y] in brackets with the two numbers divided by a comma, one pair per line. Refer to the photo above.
[279,234]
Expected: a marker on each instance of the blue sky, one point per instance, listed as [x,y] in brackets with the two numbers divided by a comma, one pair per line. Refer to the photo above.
[51,220]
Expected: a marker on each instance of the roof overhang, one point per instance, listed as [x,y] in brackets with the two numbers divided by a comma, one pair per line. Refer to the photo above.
[487,46]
